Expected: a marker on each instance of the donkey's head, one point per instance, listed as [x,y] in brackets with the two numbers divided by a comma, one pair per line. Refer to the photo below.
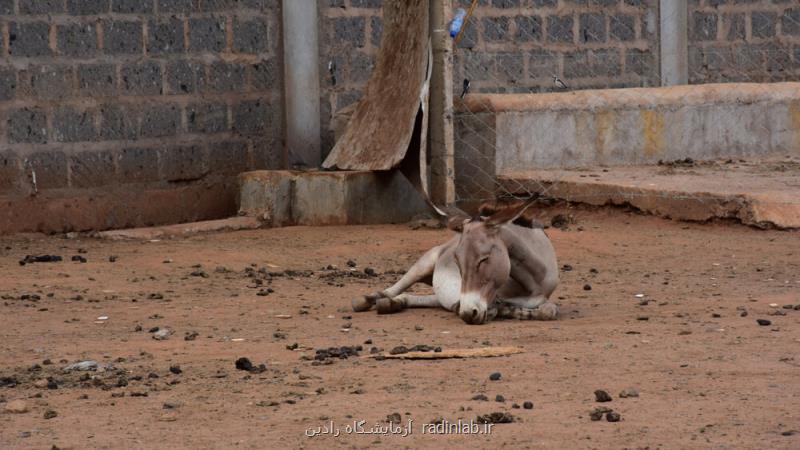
[482,258]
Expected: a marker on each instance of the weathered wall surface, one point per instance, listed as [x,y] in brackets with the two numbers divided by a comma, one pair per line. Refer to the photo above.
[598,127]
[141,111]
[744,41]
[518,45]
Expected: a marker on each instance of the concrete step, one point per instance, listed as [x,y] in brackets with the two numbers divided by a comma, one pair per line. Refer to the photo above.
[763,193]
[284,197]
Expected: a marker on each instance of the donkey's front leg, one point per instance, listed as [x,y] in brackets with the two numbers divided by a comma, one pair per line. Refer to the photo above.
[421,270]
[527,308]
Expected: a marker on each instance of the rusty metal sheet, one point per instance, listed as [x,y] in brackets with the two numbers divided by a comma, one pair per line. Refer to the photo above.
[380,130]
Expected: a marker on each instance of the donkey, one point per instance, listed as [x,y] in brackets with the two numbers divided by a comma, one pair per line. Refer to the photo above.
[493,268]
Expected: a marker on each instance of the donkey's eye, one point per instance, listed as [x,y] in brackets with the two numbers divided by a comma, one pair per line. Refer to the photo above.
[483,260]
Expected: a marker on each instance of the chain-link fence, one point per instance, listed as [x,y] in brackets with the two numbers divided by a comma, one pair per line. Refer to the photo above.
[624,145]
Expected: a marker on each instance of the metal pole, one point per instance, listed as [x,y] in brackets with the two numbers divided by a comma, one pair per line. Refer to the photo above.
[674,42]
[440,129]
[301,75]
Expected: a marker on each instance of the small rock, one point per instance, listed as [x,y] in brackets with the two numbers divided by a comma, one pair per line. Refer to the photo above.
[613,416]
[172,404]
[499,398]
[743,314]
[566,268]
[394,418]
[480,397]
[176,369]
[162,334]
[50,414]
[370,271]
[82,366]
[16,407]
[400,349]
[244,364]
[764,322]
[418,327]
[496,417]
[79,258]
[191,336]
[587,287]
[112,258]
[495,376]
[528,405]
[630,392]
[351,263]
[602,396]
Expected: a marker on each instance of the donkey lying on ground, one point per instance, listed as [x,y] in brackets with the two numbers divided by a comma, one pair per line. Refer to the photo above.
[491,268]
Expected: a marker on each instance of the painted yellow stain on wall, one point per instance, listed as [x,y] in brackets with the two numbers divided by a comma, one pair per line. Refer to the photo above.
[653,131]
[794,111]
[603,125]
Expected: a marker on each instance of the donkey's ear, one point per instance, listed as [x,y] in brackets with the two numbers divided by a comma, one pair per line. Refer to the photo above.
[456,218]
[508,215]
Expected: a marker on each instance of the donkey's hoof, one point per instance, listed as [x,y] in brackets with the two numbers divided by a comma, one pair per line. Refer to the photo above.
[361,304]
[388,306]
[548,311]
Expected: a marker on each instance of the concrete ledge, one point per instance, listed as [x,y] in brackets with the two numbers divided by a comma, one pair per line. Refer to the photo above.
[121,206]
[282,197]
[758,193]
[616,127]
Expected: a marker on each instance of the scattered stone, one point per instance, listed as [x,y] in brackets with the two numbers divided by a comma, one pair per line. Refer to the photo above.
[394,418]
[191,336]
[50,414]
[418,327]
[199,273]
[613,416]
[499,398]
[327,355]
[743,314]
[370,271]
[495,376]
[245,364]
[560,221]
[630,392]
[643,318]
[16,407]
[496,417]
[162,334]
[82,366]
[566,268]
[602,396]
[30,259]
[176,369]
[172,404]
[480,398]
[598,412]
[112,258]
[399,350]
[788,433]
[351,263]
[515,406]
[764,322]
[528,405]
[79,258]
[587,287]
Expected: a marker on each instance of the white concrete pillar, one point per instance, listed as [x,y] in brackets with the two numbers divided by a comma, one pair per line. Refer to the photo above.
[301,81]
[674,42]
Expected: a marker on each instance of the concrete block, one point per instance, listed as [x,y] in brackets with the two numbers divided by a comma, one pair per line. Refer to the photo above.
[228,157]
[349,31]
[138,165]
[165,37]
[6,7]
[41,6]
[529,28]
[185,77]
[29,39]
[207,34]
[51,82]
[559,29]
[160,120]
[226,77]
[143,78]
[73,125]
[592,27]
[97,80]
[50,168]
[92,169]
[283,198]
[250,36]
[133,6]
[8,83]
[495,28]
[121,37]
[265,75]
[207,117]
[251,117]
[118,122]
[183,163]
[177,6]
[77,39]
[87,7]
[27,125]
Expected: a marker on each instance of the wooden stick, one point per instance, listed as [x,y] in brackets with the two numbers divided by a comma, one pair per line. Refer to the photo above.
[484,352]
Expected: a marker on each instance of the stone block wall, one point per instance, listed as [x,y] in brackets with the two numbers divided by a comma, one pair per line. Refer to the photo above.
[118,96]
[744,41]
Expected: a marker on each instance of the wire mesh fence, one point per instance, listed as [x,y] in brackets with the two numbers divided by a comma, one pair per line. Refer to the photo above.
[624,144]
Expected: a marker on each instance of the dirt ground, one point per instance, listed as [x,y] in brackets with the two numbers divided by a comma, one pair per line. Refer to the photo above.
[708,376]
